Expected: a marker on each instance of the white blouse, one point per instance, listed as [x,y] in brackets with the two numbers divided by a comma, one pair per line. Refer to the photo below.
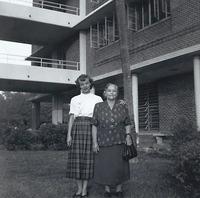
[83,104]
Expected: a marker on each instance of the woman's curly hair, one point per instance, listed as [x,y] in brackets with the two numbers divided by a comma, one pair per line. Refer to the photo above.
[83,77]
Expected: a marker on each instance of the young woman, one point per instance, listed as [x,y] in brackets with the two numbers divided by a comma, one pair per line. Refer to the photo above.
[80,164]
[111,128]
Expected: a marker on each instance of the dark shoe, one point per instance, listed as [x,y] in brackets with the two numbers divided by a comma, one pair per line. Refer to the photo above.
[76,195]
[119,194]
[107,194]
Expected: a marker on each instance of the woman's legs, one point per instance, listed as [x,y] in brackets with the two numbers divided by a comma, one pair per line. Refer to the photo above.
[119,188]
[80,186]
[84,187]
[119,192]
[107,192]
[107,189]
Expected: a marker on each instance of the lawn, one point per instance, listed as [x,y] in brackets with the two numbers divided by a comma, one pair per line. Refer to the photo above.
[41,174]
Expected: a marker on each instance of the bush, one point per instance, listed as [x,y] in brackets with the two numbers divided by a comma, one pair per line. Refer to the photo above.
[183,132]
[48,137]
[53,137]
[186,152]
[14,138]
[188,171]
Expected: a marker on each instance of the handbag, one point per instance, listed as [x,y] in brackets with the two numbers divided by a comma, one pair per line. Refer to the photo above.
[129,151]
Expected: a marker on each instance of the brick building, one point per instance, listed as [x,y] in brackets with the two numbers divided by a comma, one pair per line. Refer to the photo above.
[164,45]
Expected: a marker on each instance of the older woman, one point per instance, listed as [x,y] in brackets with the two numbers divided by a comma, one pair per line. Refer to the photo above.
[111,123]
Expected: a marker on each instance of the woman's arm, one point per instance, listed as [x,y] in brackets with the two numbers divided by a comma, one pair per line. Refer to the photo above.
[128,133]
[94,139]
[71,121]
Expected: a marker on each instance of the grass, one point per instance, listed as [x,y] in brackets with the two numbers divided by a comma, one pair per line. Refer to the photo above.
[41,174]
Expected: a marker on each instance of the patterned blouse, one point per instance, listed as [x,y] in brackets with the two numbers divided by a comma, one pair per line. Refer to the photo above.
[110,123]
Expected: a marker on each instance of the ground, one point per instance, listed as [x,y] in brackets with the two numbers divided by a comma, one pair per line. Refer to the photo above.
[41,174]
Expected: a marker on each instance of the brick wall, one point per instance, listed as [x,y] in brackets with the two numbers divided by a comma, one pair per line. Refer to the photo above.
[74,3]
[69,50]
[177,32]
[185,14]
[71,47]
[176,99]
[150,34]
[184,39]
[176,3]
[90,6]
[90,55]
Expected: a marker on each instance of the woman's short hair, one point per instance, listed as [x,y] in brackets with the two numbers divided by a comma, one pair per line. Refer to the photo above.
[109,84]
[83,77]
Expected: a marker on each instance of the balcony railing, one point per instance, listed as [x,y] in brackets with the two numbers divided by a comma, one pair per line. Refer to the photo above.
[39,62]
[47,5]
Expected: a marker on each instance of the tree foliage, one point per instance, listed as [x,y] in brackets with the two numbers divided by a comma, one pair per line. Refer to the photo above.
[15,109]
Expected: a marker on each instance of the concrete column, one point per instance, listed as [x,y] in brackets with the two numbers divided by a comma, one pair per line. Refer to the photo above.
[35,115]
[197,88]
[82,6]
[57,109]
[82,39]
[82,51]
[135,103]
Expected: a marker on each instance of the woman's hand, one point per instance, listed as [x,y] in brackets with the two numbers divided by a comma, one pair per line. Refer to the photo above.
[122,102]
[69,140]
[95,147]
[128,140]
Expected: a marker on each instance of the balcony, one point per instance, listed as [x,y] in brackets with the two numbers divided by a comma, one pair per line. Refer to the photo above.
[46,5]
[37,74]
[98,14]
[28,22]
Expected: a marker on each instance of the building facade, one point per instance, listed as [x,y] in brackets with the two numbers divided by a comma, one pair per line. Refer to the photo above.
[164,45]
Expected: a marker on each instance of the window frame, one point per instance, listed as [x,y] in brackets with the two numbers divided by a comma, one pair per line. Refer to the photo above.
[136,14]
[104,32]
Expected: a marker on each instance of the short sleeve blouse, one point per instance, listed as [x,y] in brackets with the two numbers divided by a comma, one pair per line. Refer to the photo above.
[110,123]
[83,104]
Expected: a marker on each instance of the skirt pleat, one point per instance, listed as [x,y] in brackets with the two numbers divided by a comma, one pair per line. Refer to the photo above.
[80,164]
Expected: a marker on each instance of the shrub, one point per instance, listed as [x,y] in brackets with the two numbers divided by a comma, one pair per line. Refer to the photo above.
[183,132]
[18,138]
[48,137]
[53,137]
[186,152]
[188,172]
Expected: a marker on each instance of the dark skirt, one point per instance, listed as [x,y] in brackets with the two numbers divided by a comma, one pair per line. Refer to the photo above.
[80,164]
[110,169]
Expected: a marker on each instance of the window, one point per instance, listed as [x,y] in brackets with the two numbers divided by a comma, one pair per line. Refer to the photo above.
[103,33]
[148,107]
[146,12]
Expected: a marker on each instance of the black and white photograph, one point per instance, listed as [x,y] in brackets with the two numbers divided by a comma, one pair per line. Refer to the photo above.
[99,99]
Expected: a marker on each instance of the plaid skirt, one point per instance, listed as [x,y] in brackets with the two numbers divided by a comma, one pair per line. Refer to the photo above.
[80,164]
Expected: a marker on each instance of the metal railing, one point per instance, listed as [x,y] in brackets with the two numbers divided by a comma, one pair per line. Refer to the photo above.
[39,62]
[47,5]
